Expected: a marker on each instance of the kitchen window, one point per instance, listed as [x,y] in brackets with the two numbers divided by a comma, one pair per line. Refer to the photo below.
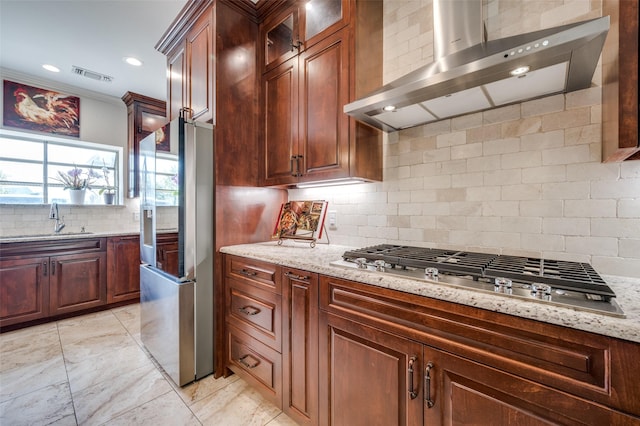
[29,166]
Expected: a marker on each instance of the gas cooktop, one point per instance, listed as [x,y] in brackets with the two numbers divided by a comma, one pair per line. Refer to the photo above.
[564,283]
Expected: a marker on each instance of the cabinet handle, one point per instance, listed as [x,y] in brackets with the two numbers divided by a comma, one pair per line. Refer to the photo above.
[298,158]
[296,277]
[247,364]
[44,267]
[427,385]
[249,310]
[53,266]
[248,273]
[412,392]
[293,157]
[296,45]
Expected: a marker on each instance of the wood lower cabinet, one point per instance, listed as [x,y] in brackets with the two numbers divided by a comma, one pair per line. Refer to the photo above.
[49,279]
[369,377]
[167,253]
[77,282]
[24,290]
[253,323]
[300,345]
[123,268]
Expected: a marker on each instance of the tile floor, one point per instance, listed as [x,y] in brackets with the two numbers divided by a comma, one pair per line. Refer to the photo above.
[93,370]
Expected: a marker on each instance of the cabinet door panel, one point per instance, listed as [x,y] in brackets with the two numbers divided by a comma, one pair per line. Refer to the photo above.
[77,282]
[175,80]
[200,52]
[323,17]
[367,374]
[24,290]
[123,274]
[324,127]
[281,123]
[300,351]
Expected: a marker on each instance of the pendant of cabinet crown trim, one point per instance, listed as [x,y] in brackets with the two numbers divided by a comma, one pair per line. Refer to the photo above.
[306,135]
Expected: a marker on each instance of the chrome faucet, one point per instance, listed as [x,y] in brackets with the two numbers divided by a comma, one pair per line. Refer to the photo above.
[54,214]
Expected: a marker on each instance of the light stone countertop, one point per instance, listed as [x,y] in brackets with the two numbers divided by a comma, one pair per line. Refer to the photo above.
[72,235]
[302,256]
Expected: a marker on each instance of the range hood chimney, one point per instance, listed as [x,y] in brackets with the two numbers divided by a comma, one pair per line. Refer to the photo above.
[471,74]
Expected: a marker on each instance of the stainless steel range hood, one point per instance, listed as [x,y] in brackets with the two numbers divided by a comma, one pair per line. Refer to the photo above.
[486,75]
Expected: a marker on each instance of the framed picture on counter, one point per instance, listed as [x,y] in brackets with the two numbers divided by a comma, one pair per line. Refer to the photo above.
[303,220]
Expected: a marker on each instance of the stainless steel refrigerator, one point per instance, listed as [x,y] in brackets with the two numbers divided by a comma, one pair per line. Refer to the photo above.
[177,310]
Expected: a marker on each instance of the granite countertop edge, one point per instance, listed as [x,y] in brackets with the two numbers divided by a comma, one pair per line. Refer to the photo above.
[73,235]
[302,256]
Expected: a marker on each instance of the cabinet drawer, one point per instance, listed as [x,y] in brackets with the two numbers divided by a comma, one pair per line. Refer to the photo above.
[260,274]
[255,311]
[258,364]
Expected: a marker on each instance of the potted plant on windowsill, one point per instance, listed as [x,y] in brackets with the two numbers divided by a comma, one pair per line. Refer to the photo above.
[77,182]
[108,192]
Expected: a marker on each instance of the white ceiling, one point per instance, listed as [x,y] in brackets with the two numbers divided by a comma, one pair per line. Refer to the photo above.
[91,34]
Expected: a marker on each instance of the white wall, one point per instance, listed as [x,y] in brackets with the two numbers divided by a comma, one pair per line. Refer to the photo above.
[103,119]
[525,179]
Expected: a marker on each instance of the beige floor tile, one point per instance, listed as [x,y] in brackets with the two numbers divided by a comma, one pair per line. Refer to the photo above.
[50,405]
[129,316]
[202,388]
[78,329]
[282,420]
[88,372]
[29,345]
[111,398]
[165,410]
[235,405]
[32,377]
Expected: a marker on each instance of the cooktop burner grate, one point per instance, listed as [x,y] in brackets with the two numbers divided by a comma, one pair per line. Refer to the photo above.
[573,276]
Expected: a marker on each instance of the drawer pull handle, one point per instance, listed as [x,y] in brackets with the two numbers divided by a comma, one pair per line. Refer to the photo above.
[412,392]
[297,277]
[249,361]
[53,267]
[248,273]
[249,310]
[427,385]
[44,267]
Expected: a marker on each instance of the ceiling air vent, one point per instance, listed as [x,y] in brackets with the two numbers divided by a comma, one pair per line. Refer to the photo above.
[91,74]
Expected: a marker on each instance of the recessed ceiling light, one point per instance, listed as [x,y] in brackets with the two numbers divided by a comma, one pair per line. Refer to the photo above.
[51,68]
[133,61]
[389,108]
[520,71]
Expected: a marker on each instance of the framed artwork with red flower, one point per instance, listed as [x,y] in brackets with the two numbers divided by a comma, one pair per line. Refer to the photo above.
[40,110]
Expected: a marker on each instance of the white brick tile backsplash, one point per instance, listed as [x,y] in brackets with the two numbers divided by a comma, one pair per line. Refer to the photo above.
[627,188]
[541,242]
[451,139]
[542,208]
[501,239]
[544,174]
[629,248]
[528,225]
[466,121]
[566,191]
[410,209]
[543,106]
[484,223]
[622,228]
[501,115]
[424,196]
[598,246]
[593,171]
[521,127]
[616,266]
[432,156]
[433,182]
[520,160]
[466,151]
[466,180]
[545,140]
[585,97]
[630,169]
[501,146]
[503,177]
[566,155]
[500,208]
[465,208]
[423,222]
[583,135]
[590,208]
[453,167]
[522,192]
[566,226]
[484,193]
[411,234]
[491,162]
[566,119]
[465,238]
[629,208]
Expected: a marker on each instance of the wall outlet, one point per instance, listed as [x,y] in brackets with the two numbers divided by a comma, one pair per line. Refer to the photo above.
[136,216]
[333,219]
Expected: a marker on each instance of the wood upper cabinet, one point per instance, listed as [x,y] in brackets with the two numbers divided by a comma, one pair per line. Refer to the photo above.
[145,115]
[300,25]
[190,68]
[24,290]
[123,268]
[620,82]
[300,345]
[307,137]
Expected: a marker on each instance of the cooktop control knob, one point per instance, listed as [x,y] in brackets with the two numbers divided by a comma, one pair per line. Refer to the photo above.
[361,262]
[541,291]
[431,273]
[380,265]
[502,285]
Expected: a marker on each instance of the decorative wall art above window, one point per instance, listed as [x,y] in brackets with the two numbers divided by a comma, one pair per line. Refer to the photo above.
[40,110]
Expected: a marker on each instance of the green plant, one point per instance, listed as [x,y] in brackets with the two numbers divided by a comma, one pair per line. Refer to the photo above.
[108,188]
